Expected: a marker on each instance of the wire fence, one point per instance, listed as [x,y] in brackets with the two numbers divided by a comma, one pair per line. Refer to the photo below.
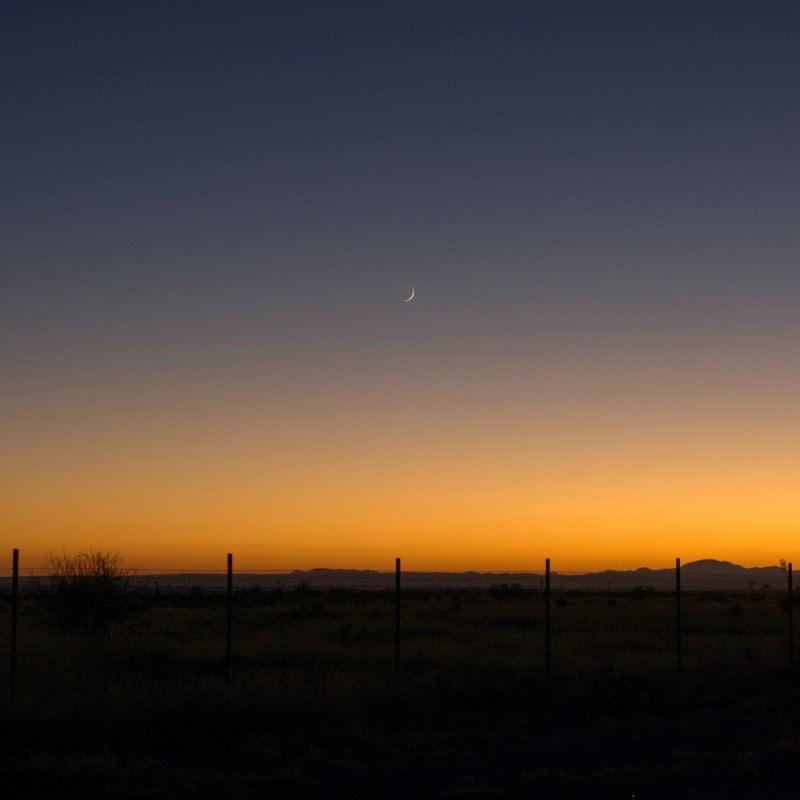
[563,582]
[541,624]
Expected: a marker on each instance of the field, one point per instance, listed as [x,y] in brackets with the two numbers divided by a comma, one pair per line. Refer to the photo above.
[315,707]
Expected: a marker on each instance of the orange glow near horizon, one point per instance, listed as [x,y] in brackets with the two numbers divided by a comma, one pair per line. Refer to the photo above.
[448,471]
[588,505]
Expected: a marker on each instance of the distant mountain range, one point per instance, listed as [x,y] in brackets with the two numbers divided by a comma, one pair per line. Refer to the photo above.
[704,575]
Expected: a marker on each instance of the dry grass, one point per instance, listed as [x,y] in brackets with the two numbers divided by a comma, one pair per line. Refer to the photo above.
[314,707]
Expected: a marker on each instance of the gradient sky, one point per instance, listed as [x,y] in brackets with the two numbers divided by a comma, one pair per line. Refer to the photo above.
[210,214]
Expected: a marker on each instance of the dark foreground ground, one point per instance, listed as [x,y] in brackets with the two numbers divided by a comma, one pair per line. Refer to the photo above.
[611,741]
[324,715]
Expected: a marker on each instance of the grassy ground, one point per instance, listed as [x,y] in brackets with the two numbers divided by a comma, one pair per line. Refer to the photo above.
[314,707]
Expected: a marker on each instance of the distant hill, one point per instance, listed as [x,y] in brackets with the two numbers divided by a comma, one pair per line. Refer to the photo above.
[703,575]
[711,566]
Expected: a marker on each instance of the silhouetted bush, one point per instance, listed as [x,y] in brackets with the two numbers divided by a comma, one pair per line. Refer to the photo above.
[87,592]
[302,590]
[504,591]
[249,598]
[196,597]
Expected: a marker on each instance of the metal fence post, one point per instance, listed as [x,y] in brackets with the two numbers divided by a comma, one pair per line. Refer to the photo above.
[791,614]
[679,638]
[14,611]
[229,619]
[547,618]
[397,614]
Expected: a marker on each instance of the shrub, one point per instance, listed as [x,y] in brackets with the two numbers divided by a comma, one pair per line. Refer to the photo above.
[504,591]
[88,591]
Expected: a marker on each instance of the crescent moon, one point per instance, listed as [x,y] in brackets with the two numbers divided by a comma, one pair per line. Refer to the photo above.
[411,296]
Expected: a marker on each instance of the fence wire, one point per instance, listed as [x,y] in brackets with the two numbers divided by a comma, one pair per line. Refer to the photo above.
[165,625]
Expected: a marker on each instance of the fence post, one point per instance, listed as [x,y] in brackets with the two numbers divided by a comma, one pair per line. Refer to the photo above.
[679,638]
[14,610]
[397,614]
[791,614]
[547,619]
[229,620]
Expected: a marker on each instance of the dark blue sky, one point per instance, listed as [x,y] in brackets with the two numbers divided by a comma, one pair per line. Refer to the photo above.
[200,200]
[475,147]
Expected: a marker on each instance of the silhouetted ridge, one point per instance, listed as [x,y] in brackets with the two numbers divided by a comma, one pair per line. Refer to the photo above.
[711,566]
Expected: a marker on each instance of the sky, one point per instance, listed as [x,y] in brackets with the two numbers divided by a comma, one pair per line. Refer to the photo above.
[211,214]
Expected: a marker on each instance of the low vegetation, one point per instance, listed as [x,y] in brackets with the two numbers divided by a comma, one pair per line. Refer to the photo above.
[314,707]
[86,592]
